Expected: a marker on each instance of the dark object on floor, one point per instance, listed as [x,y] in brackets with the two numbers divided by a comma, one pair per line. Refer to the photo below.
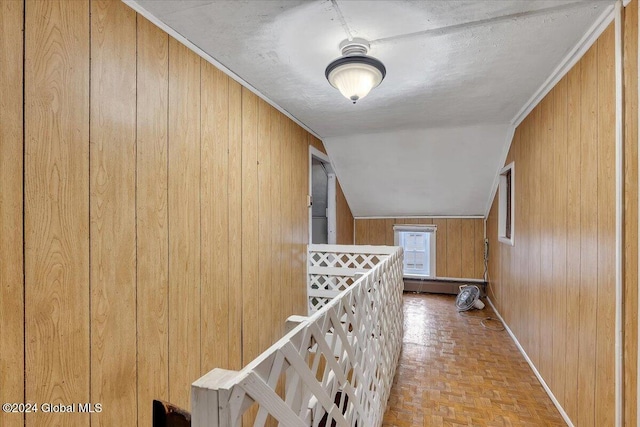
[336,400]
[167,415]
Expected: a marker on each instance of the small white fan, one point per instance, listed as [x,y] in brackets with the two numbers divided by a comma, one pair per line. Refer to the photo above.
[468,298]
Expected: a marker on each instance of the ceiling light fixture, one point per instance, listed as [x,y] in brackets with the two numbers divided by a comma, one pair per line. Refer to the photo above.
[355,73]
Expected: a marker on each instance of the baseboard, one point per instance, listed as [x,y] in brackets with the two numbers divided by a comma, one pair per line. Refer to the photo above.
[533,367]
[440,285]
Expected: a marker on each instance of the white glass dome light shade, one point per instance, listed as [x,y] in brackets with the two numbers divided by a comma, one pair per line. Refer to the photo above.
[355,76]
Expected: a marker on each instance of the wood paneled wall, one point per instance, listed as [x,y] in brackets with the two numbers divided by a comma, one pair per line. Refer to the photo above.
[345,222]
[11,210]
[58,300]
[555,287]
[165,217]
[630,226]
[459,242]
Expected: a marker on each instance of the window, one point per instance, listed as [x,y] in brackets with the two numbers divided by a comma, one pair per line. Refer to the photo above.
[419,244]
[505,204]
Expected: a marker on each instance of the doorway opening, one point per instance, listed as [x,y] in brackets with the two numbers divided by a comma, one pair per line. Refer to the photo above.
[322,209]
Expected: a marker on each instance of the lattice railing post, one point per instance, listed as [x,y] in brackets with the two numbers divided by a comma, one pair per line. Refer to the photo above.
[210,399]
[335,366]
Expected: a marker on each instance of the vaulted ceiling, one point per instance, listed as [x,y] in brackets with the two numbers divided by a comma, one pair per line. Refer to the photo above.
[430,139]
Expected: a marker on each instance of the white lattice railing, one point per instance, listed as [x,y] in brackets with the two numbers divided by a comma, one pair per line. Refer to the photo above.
[333,268]
[335,365]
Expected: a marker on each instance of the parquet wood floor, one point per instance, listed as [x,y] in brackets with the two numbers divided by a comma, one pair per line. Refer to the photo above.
[455,372]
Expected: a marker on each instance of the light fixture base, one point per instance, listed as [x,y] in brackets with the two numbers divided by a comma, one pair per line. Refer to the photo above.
[354,47]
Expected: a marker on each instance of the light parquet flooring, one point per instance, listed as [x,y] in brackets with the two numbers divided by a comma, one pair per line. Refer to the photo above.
[455,372]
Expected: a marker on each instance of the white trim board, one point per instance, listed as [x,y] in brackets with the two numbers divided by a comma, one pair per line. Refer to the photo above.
[503,197]
[558,73]
[429,228]
[533,367]
[459,279]
[176,35]
[421,217]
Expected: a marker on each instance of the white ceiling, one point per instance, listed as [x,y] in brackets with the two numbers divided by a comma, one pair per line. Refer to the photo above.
[464,64]
[416,172]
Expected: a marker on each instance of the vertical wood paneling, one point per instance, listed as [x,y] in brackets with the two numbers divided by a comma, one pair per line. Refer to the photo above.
[388,231]
[630,226]
[533,304]
[459,253]
[345,223]
[559,236]
[467,250]
[165,212]
[11,198]
[215,218]
[546,239]
[285,185]
[249,226]
[606,208]
[235,225]
[362,231]
[184,221]
[588,235]
[113,210]
[250,232]
[454,245]
[63,198]
[478,243]
[554,287]
[573,241]
[376,232]
[266,213]
[277,223]
[57,208]
[520,285]
[152,222]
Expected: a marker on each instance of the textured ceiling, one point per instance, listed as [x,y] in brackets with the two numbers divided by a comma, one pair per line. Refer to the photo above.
[449,64]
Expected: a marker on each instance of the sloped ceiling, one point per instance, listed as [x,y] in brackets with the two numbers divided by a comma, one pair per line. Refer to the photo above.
[430,139]
[417,171]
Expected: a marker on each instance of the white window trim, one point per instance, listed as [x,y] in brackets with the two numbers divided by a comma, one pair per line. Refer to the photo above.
[432,245]
[502,214]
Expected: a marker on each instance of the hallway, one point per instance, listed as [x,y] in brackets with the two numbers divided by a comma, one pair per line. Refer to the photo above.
[454,372]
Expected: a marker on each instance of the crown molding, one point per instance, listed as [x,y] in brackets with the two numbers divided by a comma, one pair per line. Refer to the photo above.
[590,37]
[574,55]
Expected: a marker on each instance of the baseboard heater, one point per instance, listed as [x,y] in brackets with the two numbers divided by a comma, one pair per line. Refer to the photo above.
[440,285]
